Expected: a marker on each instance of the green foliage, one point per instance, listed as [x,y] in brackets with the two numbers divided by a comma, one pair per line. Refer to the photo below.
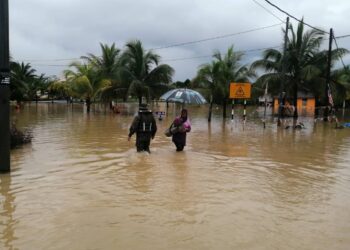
[142,72]
[304,63]
[24,82]
[224,69]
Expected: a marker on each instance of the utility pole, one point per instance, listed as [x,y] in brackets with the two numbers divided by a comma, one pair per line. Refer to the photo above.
[328,79]
[4,88]
[284,69]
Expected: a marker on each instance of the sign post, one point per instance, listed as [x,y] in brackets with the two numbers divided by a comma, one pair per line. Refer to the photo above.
[4,88]
[240,91]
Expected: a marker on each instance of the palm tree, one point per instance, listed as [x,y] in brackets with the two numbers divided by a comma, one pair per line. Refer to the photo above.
[142,71]
[21,76]
[107,64]
[302,50]
[60,89]
[232,71]
[107,67]
[223,70]
[85,82]
[272,64]
[38,84]
[209,75]
[317,85]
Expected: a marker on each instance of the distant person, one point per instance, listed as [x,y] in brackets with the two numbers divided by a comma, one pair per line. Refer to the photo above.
[145,127]
[180,127]
[18,106]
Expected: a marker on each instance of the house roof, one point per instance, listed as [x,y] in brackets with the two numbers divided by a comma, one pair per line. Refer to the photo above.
[301,94]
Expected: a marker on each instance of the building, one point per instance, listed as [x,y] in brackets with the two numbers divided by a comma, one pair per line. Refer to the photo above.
[306,104]
[266,97]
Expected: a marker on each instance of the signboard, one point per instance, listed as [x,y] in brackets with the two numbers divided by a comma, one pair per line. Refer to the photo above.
[4,78]
[240,90]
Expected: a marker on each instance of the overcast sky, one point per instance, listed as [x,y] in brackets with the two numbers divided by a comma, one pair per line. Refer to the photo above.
[42,32]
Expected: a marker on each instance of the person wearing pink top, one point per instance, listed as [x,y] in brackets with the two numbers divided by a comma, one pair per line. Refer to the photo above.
[181,126]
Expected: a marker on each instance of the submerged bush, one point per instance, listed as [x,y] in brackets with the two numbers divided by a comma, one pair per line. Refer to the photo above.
[18,137]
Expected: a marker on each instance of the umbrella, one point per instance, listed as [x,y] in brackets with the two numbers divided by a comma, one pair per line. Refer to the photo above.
[188,96]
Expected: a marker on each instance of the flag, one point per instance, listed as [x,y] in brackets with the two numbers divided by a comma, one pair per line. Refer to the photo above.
[330,98]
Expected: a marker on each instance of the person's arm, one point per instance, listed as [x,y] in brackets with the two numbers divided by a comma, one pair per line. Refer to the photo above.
[134,126]
[154,127]
[187,126]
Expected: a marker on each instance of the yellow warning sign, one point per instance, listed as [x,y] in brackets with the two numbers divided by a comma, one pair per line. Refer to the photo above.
[240,90]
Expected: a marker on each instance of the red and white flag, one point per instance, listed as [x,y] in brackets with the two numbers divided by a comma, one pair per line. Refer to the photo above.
[330,98]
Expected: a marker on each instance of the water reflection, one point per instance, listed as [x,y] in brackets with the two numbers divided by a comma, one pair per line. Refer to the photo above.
[6,213]
[232,188]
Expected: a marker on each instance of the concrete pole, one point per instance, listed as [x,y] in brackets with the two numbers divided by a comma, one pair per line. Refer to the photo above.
[282,90]
[4,88]
[328,79]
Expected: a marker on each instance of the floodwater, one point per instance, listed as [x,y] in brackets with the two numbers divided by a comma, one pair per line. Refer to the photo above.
[81,185]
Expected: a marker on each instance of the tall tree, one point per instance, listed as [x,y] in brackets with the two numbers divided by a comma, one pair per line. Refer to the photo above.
[223,70]
[107,66]
[85,82]
[22,75]
[301,51]
[141,69]
[209,75]
[305,64]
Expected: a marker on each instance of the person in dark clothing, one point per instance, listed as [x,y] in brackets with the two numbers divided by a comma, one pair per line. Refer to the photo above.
[145,127]
[180,127]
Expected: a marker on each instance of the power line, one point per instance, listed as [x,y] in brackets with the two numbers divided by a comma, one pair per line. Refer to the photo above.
[51,60]
[205,56]
[341,58]
[176,59]
[214,38]
[52,65]
[262,6]
[285,12]
[340,37]
[170,46]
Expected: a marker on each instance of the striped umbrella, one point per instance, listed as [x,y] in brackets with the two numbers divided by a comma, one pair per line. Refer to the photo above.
[187,96]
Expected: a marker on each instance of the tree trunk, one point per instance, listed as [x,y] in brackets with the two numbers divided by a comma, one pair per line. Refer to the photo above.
[224,108]
[295,101]
[210,108]
[88,104]
[140,100]
[317,105]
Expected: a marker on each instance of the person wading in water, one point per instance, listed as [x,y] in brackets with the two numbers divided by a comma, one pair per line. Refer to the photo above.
[180,127]
[145,127]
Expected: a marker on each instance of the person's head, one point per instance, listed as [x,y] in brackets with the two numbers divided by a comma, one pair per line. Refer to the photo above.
[143,107]
[184,114]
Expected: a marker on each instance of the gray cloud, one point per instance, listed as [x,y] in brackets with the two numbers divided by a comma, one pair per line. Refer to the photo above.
[59,29]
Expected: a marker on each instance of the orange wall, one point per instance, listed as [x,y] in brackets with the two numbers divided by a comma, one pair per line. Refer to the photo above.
[310,105]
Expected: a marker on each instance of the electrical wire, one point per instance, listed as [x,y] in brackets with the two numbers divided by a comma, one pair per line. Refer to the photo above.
[344,36]
[262,6]
[341,58]
[206,56]
[285,12]
[214,38]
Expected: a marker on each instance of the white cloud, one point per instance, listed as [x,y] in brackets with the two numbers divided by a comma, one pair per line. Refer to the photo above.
[55,29]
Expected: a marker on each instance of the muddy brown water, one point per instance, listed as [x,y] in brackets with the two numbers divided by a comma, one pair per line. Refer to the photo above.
[81,185]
